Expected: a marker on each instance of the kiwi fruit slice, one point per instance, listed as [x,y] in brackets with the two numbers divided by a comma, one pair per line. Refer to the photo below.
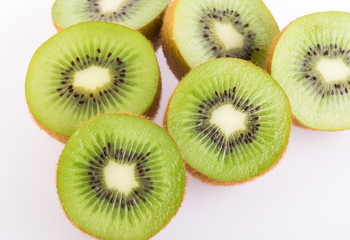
[144,15]
[311,62]
[120,177]
[196,31]
[231,121]
[89,69]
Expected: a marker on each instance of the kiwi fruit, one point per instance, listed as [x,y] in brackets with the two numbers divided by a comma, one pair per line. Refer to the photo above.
[231,121]
[120,177]
[196,31]
[89,69]
[144,15]
[311,62]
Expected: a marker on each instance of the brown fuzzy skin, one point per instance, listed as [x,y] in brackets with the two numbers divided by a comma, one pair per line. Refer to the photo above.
[183,197]
[151,31]
[58,28]
[61,138]
[172,54]
[152,111]
[208,180]
[215,182]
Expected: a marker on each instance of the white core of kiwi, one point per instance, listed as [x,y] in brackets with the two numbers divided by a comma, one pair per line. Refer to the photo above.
[108,6]
[92,77]
[333,70]
[228,119]
[229,36]
[120,177]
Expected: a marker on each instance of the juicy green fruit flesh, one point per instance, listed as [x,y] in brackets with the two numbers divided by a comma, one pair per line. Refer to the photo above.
[88,69]
[243,29]
[135,162]
[210,108]
[132,13]
[311,63]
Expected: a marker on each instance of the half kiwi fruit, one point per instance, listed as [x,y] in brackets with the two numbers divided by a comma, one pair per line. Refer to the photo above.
[196,31]
[311,62]
[231,121]
[89,69]
[144,15]
[120,177]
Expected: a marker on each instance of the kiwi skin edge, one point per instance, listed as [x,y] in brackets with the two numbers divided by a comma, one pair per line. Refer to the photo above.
[172,54]
[151,31]
[150,112]
[208,180]
[268,65]
[183,197]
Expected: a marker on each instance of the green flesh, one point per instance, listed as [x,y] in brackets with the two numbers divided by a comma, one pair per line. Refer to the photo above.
[131,83]
[221,82]
[141,12]
[315,103]
[189,31]
[122,139]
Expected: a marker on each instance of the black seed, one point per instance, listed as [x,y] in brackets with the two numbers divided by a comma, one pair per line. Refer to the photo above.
[59,89]
[72,63]
[81,102]
[98,50]
[109,54]
[105,151]
[258,108]
[87,56]
[96,59]
[326,53]
[64,82]
[78,60]
[91,95]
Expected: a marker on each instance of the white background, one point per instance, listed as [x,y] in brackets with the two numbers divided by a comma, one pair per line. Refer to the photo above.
[306,197]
